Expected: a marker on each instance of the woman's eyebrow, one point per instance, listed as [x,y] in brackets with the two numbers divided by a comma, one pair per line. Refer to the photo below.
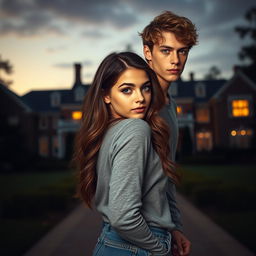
[126,84]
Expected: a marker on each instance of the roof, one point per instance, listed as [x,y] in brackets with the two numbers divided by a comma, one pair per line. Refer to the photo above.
[40,101]
[187,89]
[15,97]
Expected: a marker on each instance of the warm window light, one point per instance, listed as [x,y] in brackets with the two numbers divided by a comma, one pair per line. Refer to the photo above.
[240,108]
[233,133]
[179,110]
[243,132]
[76,115]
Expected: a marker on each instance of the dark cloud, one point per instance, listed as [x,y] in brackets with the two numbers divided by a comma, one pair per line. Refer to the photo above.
[98,12]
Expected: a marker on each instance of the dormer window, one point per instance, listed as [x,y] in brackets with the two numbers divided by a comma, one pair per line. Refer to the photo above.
[55,99]
[200,90]
[79,94]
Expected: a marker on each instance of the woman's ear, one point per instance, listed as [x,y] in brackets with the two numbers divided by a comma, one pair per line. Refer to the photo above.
[106,99]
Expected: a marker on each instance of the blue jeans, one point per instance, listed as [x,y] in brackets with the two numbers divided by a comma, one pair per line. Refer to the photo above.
[111,244]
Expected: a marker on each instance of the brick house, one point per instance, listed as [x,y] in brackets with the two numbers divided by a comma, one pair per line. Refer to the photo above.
[214,113]
[218,113]
[58,113]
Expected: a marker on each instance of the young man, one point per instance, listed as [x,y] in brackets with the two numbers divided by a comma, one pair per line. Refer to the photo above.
[166,44]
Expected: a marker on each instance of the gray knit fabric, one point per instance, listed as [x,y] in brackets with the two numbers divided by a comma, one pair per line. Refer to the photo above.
[168,113]
[131,188]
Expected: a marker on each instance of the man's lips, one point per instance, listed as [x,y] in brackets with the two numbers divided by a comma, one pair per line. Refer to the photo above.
[173,71]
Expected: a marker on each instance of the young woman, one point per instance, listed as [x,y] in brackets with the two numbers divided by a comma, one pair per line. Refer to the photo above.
[122,150]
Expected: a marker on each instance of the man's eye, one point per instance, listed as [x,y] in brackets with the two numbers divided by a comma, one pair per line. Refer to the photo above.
[126,90]
[165,51]
[183,52]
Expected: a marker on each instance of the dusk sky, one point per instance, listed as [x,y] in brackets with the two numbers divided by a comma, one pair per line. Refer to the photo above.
[43,38]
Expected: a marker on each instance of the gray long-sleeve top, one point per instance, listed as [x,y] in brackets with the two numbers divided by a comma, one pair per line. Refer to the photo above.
[132,189]
[168,113]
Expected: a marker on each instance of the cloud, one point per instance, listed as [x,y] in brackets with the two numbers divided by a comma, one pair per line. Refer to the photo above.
[30,17]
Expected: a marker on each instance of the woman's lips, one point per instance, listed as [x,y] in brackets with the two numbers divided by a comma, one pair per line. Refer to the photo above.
[139,110]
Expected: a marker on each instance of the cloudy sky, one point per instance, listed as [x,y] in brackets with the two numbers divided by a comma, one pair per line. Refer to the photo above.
[43,38]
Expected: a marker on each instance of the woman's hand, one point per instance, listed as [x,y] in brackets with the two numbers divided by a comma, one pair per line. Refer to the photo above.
[181,246]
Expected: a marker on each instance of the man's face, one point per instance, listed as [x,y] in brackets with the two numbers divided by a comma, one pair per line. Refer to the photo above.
[167,58]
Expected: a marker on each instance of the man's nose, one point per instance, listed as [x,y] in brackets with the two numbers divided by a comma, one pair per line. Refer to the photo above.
[175,58]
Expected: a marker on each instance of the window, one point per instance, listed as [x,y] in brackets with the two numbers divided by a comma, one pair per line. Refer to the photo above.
[43,146]
[204,141]
[76,115]
[240,138]
[202,114]
[43,122]
[240,108]
[179,110]
[79,94]
[55,99]
[200,90]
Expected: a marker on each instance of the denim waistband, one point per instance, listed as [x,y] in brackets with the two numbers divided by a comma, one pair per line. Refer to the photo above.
[159,232]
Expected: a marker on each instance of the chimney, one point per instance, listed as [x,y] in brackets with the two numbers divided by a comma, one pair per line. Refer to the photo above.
[77,74]
[191,76]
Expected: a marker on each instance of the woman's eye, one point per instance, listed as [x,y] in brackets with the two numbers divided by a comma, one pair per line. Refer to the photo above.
[147,88]
[126,90]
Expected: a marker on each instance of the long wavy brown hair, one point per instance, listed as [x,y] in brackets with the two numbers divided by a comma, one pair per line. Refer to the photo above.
[97,118]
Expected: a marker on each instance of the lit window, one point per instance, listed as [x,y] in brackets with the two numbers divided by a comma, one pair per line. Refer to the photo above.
[179,110]
[240,108]
[202,115]
[76,115]
[204,141]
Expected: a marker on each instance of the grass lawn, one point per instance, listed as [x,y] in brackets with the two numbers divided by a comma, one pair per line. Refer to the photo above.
[31,204]
[227,193]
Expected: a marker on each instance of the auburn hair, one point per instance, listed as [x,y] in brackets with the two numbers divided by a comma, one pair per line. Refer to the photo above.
[96,119]
[182,27]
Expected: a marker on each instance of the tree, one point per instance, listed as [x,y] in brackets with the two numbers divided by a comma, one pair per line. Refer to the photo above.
[248,52]
[213,73]
[7,67]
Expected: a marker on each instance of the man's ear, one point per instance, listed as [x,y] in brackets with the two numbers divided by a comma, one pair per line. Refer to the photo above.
[106,99]
[147,53]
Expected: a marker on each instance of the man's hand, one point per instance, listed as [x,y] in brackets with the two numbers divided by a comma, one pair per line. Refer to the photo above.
[180,244]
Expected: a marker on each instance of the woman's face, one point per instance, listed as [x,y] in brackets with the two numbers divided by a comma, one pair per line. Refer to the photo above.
[130,96]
